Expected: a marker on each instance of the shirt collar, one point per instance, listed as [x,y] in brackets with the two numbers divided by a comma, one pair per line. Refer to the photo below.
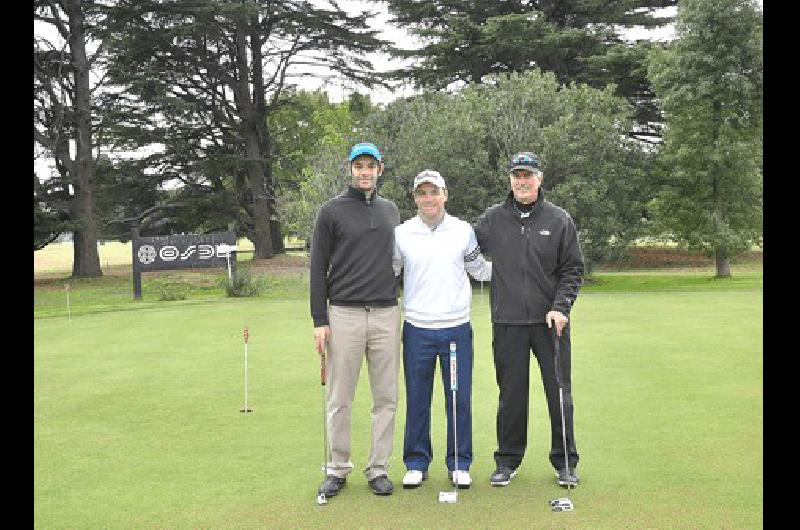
[440,223]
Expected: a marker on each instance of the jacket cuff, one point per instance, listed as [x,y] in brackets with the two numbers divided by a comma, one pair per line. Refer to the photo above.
[562,308]
[319,322]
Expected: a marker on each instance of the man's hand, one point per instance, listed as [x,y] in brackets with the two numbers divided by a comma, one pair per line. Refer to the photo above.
[557,317]
[321,336]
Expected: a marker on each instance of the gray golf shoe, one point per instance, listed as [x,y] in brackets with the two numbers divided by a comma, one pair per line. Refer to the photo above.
[331,485]
[567,479]
[502,476]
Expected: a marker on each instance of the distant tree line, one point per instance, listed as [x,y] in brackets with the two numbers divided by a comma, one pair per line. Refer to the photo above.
[637,139]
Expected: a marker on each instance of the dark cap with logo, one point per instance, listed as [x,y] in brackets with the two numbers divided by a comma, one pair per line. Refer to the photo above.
[525,160]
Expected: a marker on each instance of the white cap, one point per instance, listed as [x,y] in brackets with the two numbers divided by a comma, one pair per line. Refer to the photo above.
[431,176]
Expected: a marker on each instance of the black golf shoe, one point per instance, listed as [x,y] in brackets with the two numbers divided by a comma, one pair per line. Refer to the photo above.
[381,485]
[331,485]
[565,479]
[502,476]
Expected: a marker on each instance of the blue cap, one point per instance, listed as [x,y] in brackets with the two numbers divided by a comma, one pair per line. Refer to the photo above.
[365,148]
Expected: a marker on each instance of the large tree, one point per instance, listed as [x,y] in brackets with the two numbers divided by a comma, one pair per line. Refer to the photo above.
[710,84]
[590,167]
[66,125]
[577,40]
[207,75]
[313,137]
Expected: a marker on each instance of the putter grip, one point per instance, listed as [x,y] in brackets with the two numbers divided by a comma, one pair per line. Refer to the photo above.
[453,367]
[322,368]
[557,354]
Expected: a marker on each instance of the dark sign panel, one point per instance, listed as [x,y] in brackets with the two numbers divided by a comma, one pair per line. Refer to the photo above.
[186,251]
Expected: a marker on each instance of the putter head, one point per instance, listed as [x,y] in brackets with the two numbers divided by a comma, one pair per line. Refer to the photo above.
[321,499]
[562,504]
[448,496]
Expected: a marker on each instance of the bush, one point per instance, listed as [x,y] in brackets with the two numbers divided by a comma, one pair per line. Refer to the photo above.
[170,292]
[244,284]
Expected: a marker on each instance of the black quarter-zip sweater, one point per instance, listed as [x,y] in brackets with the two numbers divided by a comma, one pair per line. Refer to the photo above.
[537,263]
[351,253]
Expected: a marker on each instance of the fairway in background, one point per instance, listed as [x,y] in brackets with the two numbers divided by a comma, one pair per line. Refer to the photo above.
[137,421]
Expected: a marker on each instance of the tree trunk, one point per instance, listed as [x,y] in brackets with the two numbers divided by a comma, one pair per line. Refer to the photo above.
[263,136]
[246,103]
[262,212]
[86,262]
[722,263]
[277,234]
[720,251]
[86,259]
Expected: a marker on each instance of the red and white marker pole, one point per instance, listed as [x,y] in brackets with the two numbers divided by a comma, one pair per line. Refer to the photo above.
[246,337]
[69,311]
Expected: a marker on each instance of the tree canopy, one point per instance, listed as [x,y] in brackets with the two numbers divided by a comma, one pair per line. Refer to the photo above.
[590,167]
[174,116]
[710,84]
[202,79]
[577,40]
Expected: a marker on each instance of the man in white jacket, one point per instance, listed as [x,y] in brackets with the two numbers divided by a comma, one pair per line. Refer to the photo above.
[435,251]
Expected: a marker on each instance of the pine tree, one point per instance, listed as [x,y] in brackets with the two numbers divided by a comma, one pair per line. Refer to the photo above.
[710,83]
[207,74]
[577,40]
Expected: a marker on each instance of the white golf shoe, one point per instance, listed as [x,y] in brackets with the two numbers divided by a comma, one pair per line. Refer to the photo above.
[461,478]
[414,478]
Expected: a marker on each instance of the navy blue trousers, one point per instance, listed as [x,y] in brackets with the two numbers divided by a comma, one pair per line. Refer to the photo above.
[421,348]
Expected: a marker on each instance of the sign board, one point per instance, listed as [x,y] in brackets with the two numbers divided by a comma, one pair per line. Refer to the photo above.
[181,251]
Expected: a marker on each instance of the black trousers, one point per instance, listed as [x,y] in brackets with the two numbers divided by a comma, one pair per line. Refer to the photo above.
[511,346]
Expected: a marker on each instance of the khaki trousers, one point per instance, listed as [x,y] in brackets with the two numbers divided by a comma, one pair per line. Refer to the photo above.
[358,332]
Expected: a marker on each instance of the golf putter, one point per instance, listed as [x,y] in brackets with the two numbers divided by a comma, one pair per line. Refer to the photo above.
[452,496]
[321,499]
[563,504]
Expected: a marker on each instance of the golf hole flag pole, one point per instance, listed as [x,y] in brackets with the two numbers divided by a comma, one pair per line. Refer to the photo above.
[246,338]
[69,311]
[452,496]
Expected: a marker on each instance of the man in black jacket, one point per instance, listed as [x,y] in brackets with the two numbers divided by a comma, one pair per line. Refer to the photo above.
[537,266]
[353,296]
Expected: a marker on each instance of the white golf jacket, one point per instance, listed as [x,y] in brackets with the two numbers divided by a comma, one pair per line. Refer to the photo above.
[435,262]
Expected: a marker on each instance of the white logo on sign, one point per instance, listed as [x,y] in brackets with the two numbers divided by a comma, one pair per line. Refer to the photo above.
[224,250]
[168,253]
[205,251]
[146,254]
[189,251]
[544,232]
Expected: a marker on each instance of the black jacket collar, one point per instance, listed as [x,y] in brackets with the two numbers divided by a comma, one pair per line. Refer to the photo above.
[537,206]
[360,195]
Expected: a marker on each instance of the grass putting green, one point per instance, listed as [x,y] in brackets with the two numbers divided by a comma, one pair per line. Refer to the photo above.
[137,422]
